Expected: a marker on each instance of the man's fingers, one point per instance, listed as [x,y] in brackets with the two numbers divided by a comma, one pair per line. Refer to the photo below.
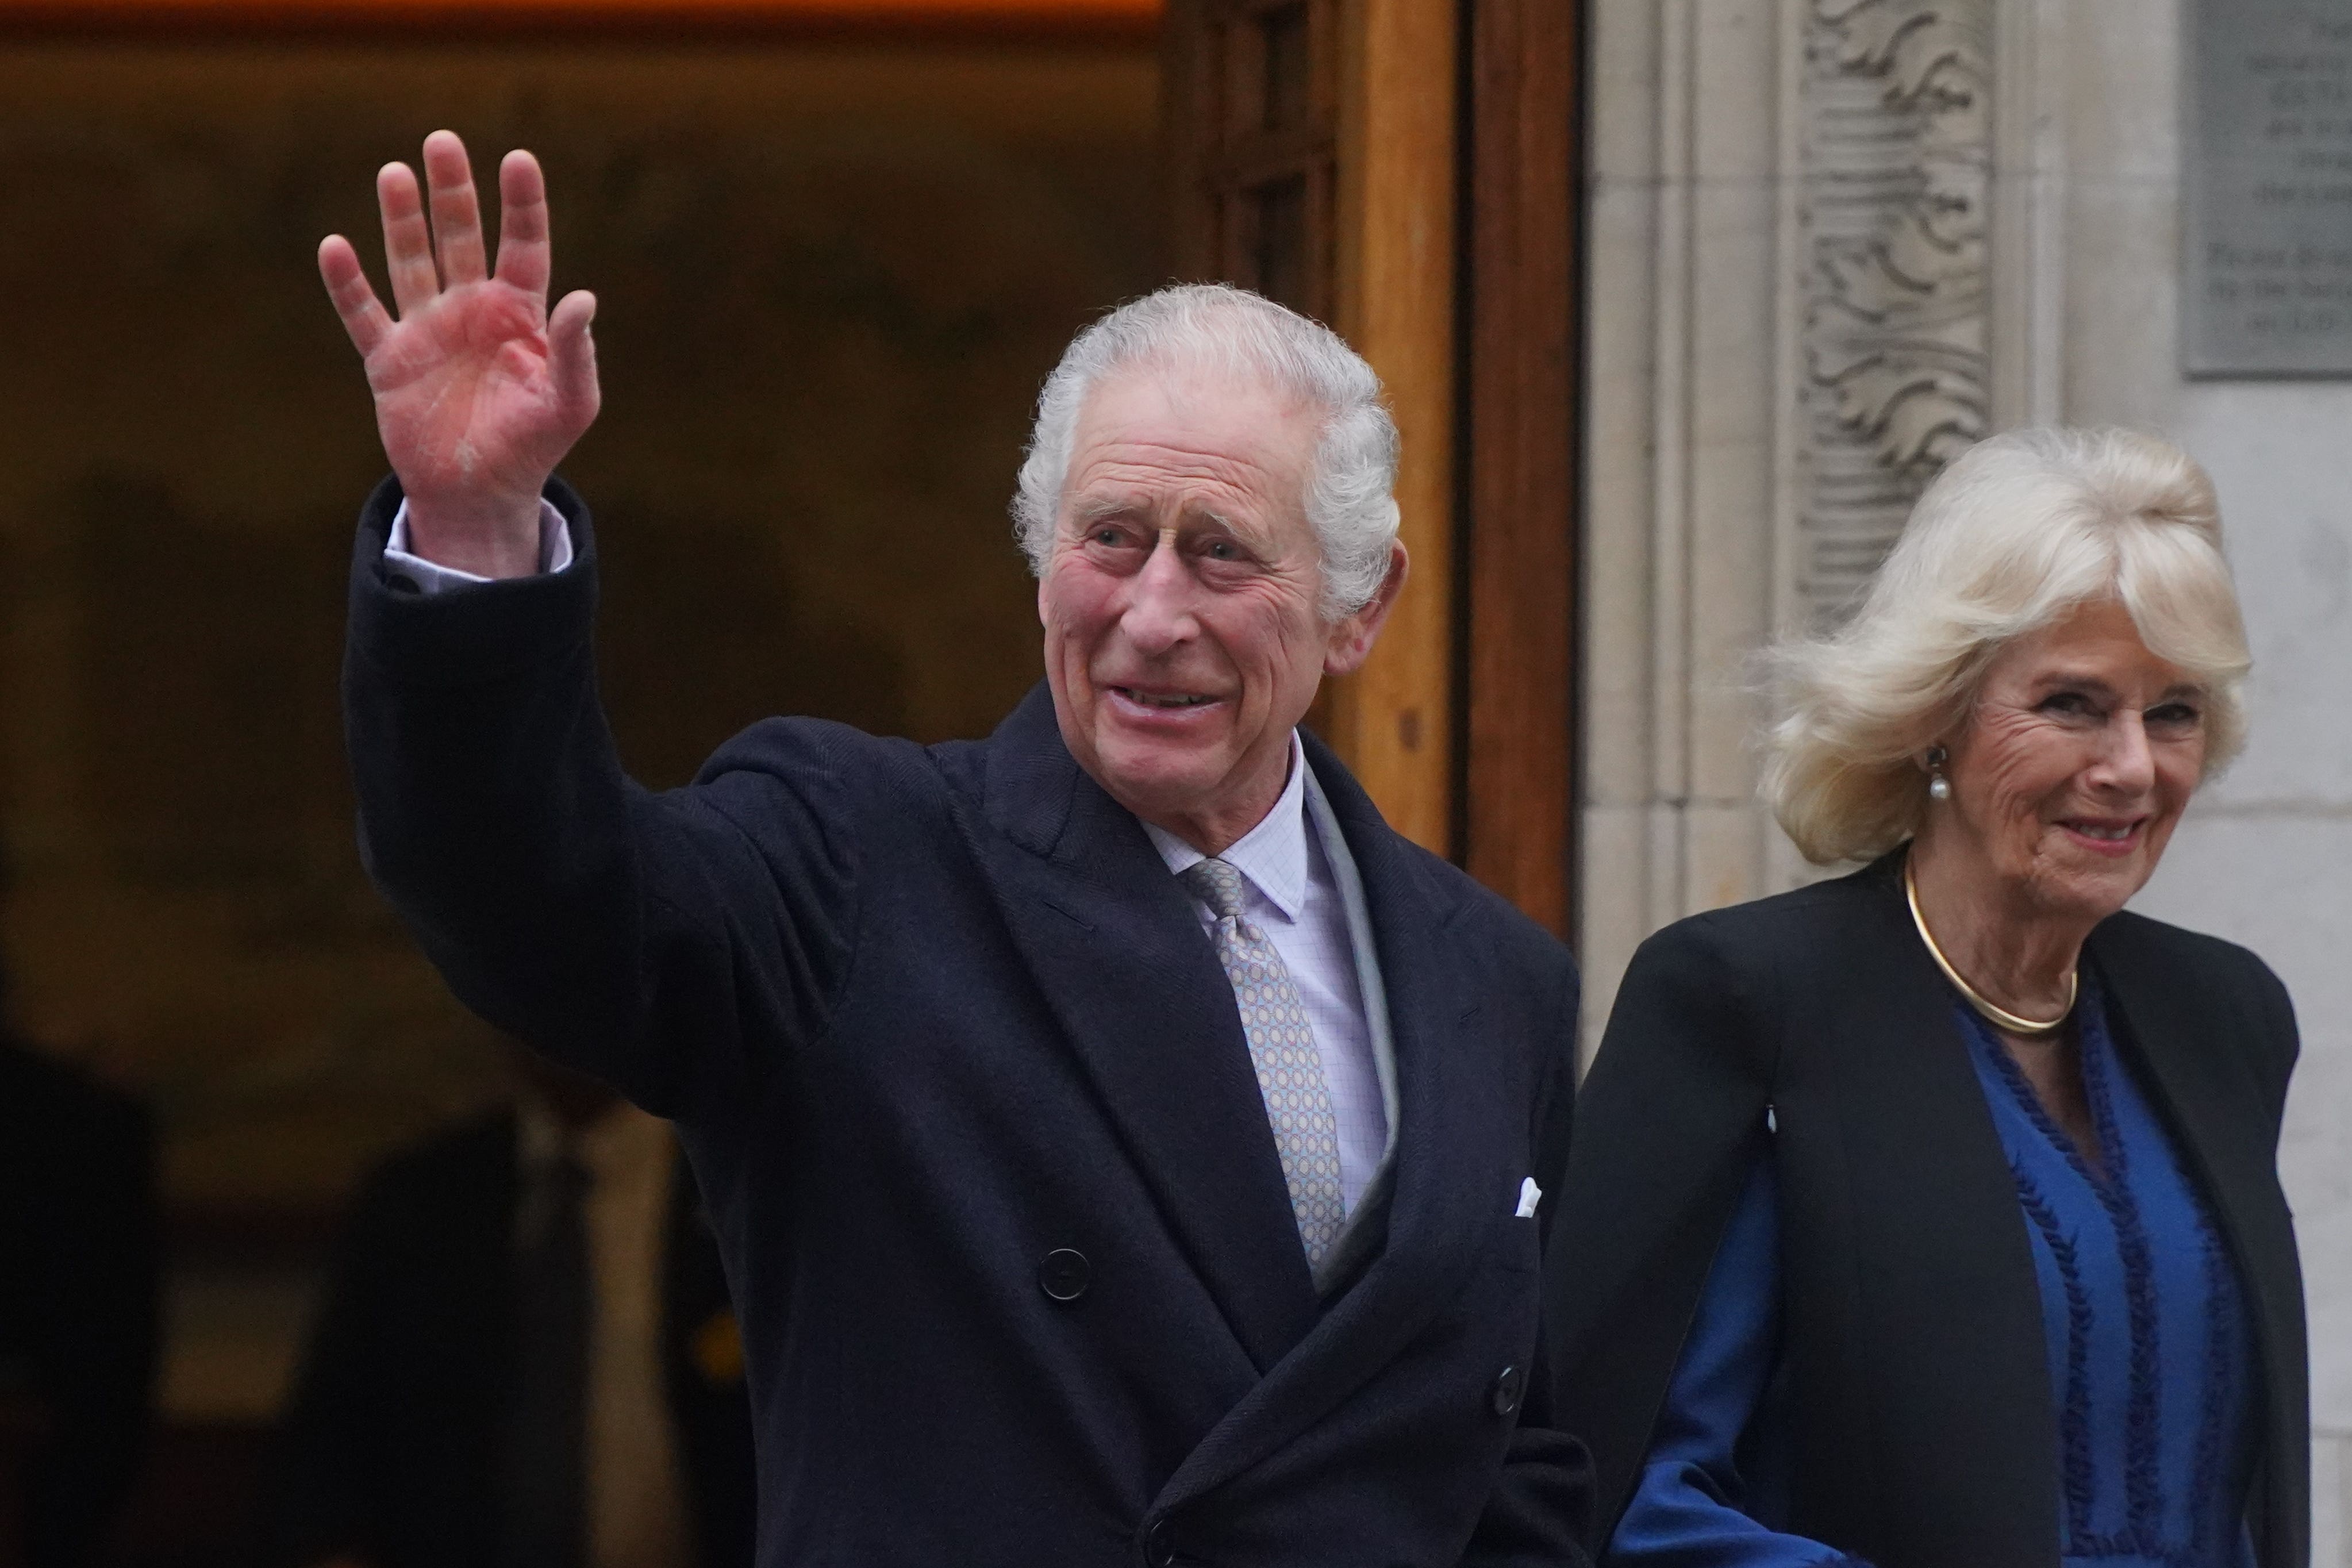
[407,242]
[572,358]
[457,211]
[362,313]
[525,253]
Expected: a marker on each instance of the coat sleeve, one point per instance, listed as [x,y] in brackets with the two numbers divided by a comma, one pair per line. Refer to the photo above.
[651,940]
[1670,1122]
[1541,1510]
[1695,1503]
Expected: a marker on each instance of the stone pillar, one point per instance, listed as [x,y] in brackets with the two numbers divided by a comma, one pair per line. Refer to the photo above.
[1791,331]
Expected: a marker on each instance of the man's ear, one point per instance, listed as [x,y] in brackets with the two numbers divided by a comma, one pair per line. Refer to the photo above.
[1353,636]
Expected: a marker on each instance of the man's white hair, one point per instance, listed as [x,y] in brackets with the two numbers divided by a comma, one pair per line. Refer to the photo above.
[2020,531]
[1351,481]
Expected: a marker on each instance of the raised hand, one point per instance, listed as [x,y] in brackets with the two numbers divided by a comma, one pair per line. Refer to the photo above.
[478,392]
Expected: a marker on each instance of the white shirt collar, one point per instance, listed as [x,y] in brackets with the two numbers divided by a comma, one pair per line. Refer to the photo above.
[1272,856]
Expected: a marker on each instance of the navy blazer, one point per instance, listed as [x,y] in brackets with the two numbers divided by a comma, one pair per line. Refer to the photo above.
[929,1017]
[1921,1422]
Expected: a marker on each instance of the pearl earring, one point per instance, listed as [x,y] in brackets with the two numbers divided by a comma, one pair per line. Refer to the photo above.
[1938,787]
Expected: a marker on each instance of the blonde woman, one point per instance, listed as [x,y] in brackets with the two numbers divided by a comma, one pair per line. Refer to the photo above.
[1928,1216]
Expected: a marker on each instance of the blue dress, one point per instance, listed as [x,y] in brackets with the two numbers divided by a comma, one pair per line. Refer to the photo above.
[2151,1357]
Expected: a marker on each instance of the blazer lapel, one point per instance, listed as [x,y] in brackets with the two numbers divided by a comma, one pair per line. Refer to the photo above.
[2182,1038]
[1121,960]
[1938,1212]
[1447,1175]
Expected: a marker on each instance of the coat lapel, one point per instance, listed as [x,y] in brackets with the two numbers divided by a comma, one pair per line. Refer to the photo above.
[1121,959]
[2184,1040]
[1449,1175]
[1937,1220]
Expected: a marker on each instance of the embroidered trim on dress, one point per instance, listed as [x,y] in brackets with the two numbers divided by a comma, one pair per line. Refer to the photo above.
[2142,1434]
[2075,1414]
[2222,1337]
[2143,1496]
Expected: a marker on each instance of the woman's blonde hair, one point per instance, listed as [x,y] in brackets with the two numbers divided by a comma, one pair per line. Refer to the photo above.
[2019,531]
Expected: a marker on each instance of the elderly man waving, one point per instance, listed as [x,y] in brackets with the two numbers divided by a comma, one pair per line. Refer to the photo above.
[1124,1147]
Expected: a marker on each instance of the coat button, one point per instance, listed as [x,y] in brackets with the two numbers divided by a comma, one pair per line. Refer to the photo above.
[1510,1387]
[1064,1274]
[1159,1543]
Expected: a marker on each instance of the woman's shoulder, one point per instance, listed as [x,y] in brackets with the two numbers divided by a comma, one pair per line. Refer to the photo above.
[2141,955]
[2153,953]
[1816,923]
[1734,975]
[2160,939]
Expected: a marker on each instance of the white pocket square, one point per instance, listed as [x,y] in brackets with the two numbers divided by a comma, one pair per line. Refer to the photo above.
[1531,1195]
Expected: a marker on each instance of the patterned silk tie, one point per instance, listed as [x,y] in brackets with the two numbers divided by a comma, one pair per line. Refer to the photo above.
[1282,1048]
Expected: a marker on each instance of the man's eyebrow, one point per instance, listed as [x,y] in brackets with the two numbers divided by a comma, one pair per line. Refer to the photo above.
[1103,509]
[1100,509]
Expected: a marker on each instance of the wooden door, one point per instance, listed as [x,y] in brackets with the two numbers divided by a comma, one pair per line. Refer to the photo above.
[1407,170]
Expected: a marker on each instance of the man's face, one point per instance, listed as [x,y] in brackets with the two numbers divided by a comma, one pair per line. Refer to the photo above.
[1184,635]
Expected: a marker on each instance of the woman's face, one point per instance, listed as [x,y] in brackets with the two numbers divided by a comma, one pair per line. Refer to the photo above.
[2082,750]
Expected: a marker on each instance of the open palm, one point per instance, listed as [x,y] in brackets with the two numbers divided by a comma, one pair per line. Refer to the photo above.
[479,392]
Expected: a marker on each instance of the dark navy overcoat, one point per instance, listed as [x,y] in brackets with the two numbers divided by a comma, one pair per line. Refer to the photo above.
[930,1016]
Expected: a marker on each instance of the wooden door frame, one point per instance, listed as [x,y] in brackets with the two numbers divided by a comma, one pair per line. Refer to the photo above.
[1519,510]
[1451,139]
[1378,154]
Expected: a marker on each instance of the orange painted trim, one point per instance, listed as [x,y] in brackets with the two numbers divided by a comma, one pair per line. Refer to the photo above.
[1084,19]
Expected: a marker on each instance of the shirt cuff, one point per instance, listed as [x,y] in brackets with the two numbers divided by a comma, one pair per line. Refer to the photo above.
[554,552]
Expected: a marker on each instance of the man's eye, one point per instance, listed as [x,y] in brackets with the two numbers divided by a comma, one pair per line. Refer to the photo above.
[1222,550]
[1106,536]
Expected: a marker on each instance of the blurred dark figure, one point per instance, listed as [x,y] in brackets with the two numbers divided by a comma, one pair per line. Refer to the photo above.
[79,1277]
[526,1357]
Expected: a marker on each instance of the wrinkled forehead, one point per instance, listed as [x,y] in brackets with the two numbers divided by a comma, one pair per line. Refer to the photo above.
[2096,642]
[1185,433]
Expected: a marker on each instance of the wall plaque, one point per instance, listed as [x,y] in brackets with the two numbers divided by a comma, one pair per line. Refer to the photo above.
[2267,177]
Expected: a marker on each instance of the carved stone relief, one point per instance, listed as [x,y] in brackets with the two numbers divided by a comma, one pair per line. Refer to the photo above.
[1897,148]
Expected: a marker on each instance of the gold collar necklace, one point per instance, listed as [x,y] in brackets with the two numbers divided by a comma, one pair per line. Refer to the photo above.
[2001,1018]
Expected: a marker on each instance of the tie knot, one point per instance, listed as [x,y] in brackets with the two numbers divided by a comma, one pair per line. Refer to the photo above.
[1217,885]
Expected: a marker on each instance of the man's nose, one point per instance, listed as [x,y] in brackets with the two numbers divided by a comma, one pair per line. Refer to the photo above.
[1159,613]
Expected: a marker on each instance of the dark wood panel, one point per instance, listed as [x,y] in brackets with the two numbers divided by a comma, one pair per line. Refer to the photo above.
[945,22]
[1249,127]
[1251,113]
[1519,429]
[830,281]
